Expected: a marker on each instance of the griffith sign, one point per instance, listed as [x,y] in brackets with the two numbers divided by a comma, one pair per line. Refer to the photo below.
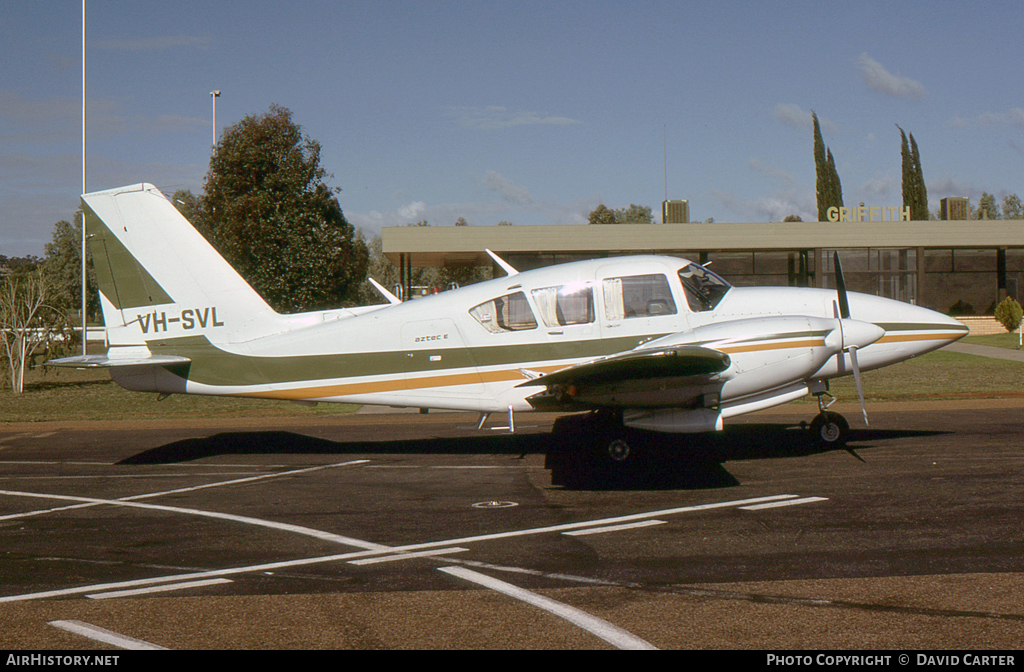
[874,213]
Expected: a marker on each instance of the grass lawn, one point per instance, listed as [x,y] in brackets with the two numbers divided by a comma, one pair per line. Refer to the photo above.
[90,395]
[1007,340]
[938,375]
[69,394]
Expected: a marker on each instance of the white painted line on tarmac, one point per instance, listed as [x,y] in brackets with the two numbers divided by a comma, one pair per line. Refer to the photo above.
[556,576]
[157,589]
[613,528]
[112,477]
[97,502]
[376,551]
[791,502]
[99,634]
[265,567]
[250,479]
[259,522]
[406,556]
[586,524]
[612,634]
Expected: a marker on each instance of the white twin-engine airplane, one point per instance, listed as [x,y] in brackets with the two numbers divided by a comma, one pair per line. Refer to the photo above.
[643,342]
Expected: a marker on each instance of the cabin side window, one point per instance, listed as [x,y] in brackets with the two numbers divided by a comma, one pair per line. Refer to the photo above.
[704,290]
[565,304]
[637,296]
[506,313]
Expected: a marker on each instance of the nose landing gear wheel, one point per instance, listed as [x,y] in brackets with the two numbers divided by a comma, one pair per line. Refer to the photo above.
[829,430]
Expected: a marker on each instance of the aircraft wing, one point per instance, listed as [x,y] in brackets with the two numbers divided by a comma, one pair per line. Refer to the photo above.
[645,377]
[104,362]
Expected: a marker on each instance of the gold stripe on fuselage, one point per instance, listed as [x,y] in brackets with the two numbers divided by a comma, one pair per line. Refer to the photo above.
[929,336]
[469,378]
[397,384]
[809,343]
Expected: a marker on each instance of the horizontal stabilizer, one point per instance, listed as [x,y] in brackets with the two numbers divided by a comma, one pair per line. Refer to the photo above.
[104,362]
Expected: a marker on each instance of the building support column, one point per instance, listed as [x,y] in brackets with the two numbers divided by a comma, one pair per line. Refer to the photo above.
[1000,274]
[919,292]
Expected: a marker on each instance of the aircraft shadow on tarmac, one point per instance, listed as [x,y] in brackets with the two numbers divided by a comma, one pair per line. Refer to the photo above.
[670,462]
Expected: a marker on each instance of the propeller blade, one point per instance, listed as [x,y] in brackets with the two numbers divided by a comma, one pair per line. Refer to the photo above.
[856,379]
[844,304]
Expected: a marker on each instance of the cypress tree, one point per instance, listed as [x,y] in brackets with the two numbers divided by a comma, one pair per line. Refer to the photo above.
[919,205]
[820,169]
[834,187]
[915,193]
[828,189]
[907,166]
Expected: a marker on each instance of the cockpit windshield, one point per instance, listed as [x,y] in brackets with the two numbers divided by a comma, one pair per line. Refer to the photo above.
[704,289]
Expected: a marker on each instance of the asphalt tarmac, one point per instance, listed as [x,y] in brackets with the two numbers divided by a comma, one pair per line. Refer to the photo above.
[409,531]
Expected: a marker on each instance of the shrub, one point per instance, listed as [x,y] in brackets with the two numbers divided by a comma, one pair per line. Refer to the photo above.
[1009,313]
[961,307]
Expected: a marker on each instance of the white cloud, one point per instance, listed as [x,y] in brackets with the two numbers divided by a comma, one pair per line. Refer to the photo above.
[1015,117]
[509,190]
[881,80]
[884,186]
[496,117]
[950,186]
[792,115]
[413,210]
[771,170]
[772,208]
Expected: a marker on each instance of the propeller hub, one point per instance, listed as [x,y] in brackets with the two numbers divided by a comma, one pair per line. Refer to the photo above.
[858,333]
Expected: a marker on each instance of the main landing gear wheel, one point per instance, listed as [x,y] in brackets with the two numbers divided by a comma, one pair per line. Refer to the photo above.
[829,430]
[596,449]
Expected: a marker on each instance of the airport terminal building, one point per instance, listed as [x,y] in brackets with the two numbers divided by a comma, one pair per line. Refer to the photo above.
[937,264]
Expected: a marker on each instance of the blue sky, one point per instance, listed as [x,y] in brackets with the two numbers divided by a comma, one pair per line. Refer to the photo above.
[531,112]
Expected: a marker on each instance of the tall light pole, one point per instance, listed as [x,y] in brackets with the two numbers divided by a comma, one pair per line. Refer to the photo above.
[84,332]
[214,95]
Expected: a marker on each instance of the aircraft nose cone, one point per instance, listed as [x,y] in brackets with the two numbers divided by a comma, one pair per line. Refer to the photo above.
[942,328]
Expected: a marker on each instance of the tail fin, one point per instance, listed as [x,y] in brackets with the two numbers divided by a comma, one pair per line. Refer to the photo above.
[159,278]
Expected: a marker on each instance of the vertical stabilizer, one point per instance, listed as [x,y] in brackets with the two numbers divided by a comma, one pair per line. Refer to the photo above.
[160,279]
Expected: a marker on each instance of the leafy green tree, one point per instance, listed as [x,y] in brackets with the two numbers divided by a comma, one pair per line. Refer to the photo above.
[268,210]
[1012,207]
[828,188]
[601,215]
[915,193]
[1009,314]
[188,205]
[987,207]
[634,214]
[380,269]
[62,270]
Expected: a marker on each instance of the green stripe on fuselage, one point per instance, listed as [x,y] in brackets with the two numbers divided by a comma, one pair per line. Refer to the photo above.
[912,326]
[213,366]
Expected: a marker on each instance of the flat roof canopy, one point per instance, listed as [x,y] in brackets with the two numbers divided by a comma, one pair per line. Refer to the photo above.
[466,245]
